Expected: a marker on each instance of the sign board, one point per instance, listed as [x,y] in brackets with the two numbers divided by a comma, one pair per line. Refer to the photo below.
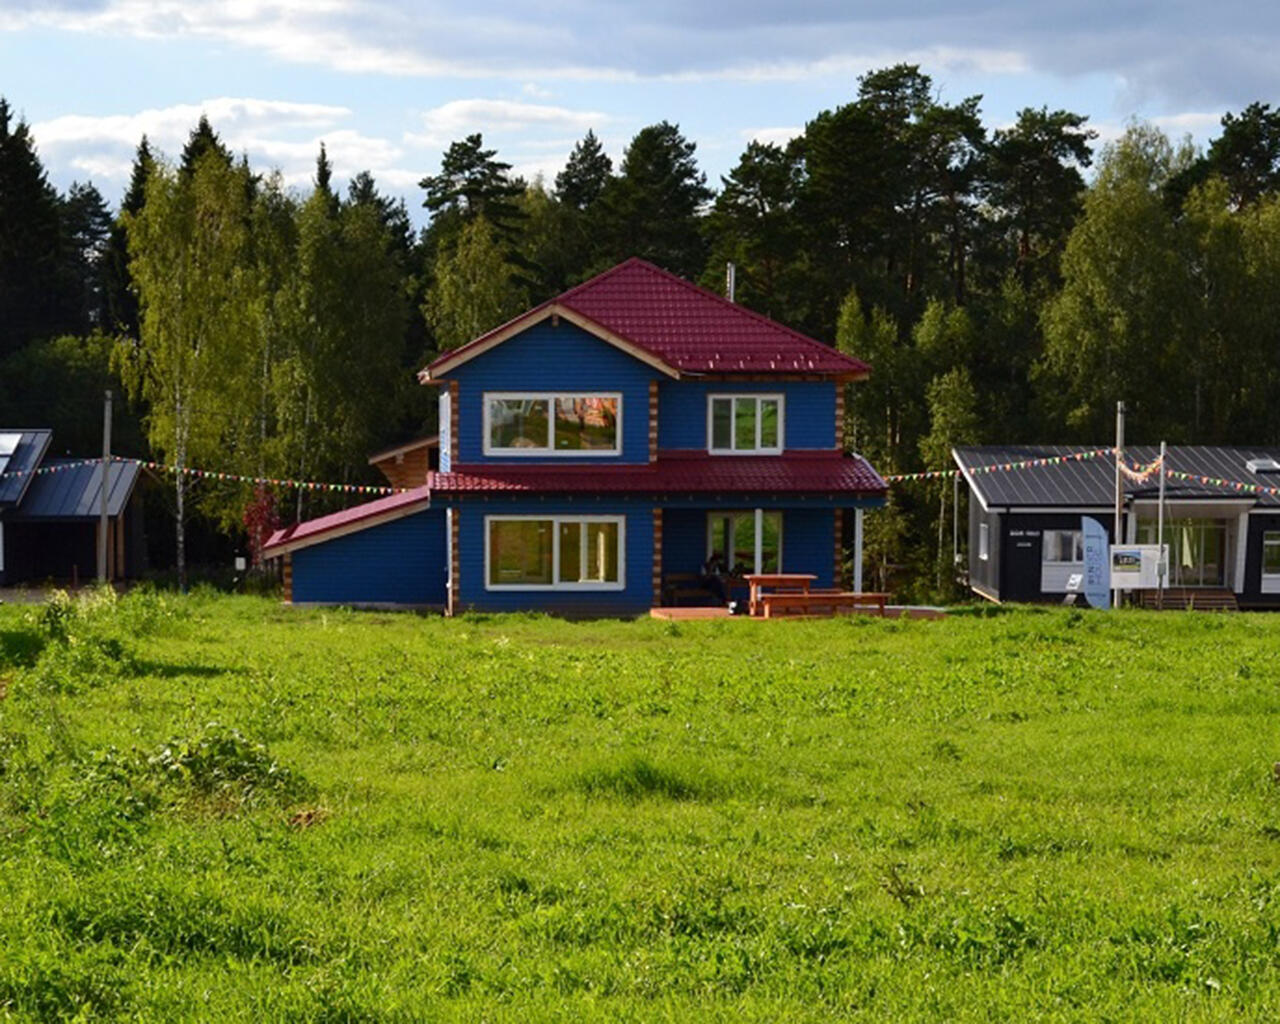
[1135,566]
[1097,574]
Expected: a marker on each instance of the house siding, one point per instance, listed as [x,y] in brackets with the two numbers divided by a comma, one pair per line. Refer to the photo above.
[398,562]
[984,574]
[808,543]
[1018,550]
[635,598]
[809,414]
[553,357]
[1252,596]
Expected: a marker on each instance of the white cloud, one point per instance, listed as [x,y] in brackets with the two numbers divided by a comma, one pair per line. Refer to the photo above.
[277,134]
[1190,123]
[168,127]
[453,120]
[774,136]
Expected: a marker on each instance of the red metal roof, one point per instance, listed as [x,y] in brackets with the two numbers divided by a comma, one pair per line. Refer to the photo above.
[401,503]
[686,327]
[675,472]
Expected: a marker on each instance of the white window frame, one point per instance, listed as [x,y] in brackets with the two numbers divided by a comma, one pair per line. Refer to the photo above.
[550,397]
[759,528]
[778,397]
[984,541]
[556,521]
[1270,578]
[1044,547]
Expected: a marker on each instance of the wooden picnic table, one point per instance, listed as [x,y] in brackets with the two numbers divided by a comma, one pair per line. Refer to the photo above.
[782,582]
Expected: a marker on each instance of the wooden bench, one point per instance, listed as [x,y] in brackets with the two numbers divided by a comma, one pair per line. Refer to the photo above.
[823,602]
[691,588]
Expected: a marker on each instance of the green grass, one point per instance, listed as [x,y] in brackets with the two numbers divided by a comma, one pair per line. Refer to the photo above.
[219,809]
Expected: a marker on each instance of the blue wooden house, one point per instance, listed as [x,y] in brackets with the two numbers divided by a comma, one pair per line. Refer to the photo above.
[596,450]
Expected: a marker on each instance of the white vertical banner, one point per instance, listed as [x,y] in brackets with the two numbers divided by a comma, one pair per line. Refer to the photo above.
[1097,563]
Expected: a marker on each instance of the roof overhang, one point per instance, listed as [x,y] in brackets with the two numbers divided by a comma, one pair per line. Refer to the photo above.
[400,449]
[452,360]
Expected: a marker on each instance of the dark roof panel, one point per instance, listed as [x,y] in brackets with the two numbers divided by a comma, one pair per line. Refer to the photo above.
[26,456]
[73,490]
[1081,481]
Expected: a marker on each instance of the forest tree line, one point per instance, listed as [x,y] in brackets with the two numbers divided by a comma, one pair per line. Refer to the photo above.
[997,293]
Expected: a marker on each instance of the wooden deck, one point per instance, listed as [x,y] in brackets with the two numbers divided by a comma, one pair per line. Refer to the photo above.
[893,611]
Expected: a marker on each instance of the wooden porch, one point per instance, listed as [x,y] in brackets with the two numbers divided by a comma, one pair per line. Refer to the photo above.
[891,611]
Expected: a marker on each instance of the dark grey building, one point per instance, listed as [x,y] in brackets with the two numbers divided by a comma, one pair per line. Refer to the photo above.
[49,513]
[1024,536]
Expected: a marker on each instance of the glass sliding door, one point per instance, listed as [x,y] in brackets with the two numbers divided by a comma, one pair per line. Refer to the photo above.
[1198,550]
[746,541]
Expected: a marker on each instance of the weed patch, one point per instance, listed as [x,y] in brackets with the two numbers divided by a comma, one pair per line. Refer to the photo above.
[638,778]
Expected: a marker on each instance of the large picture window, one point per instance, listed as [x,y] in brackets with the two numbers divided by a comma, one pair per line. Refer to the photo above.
[552,424]
[554,552]
[744,424]
[747,541]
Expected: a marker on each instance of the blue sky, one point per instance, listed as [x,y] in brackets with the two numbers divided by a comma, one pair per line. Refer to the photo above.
[388,84]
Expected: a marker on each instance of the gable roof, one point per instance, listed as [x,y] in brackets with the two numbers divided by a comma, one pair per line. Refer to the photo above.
[673,325]
[1091,482]
[26,456]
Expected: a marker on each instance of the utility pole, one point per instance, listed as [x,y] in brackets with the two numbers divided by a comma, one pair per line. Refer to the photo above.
[730,281]
[1116,538]
[1162,565]
[106,481]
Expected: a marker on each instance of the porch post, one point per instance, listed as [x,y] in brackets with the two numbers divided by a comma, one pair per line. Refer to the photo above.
[657,558]
[857,550]
[455,562]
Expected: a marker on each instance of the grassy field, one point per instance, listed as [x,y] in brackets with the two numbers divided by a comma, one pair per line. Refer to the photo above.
[216,808]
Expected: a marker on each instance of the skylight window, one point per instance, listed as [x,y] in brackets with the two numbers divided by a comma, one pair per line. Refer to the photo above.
[1264,465]
[8,444]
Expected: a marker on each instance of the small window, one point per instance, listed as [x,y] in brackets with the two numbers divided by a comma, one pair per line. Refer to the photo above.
[555,553]
[745,424]
[1062,547]
[984,541]
[1271,553]
[551,424]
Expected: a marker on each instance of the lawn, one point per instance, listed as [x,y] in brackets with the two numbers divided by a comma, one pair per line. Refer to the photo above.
[221,809]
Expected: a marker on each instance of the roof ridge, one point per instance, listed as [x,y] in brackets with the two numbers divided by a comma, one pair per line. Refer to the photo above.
[718,298]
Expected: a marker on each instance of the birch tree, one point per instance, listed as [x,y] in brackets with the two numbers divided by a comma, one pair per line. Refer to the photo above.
[189,258]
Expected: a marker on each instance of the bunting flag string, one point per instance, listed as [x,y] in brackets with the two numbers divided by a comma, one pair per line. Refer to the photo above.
[237,478]
[1002,467]
[208,474]
[1137,473]
[58,467]
[1213,481]
[1141,474]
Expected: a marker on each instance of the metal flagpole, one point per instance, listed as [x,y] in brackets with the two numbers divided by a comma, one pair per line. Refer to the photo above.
[103,534]
[1115,537]
[1162,565]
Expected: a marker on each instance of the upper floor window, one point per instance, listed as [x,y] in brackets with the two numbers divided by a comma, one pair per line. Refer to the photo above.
[744,424]
[527,423]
